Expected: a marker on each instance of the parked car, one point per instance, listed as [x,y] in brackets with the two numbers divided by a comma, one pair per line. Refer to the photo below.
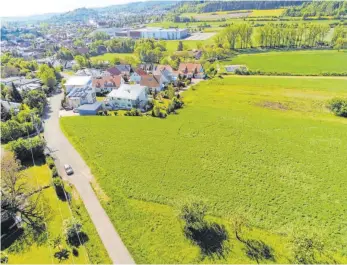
[68,169]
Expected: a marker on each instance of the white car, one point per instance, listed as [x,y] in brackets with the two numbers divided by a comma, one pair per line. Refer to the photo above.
[68,169]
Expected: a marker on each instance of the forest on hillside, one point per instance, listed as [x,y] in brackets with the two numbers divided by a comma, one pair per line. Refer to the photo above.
[319,8]
[213,6]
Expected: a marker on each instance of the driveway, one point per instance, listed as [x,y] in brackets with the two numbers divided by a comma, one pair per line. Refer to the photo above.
[64,153]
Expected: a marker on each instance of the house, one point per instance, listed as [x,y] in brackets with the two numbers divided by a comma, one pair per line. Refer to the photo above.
[114,71]
[80,96]
[91,72]
[161,67]
[234,67]
[127,97]
[125,69]
[107,83]
[90,109]
[191,70]
[153,82]
[137,75]
[78,82]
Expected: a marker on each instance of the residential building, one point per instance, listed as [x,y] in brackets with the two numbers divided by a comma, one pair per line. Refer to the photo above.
[114,71]
[191,70]
[78,82]
[137,75]
[128,97]
[154,82]
[107,83]
[125,69]
[80,96]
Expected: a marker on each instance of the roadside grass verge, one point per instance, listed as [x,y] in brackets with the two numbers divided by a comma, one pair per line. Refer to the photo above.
[26,250]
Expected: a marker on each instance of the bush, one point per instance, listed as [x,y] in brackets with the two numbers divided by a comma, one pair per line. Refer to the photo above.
[338,106]
[22,148]
[54,172]
[50,162]
[133,112]
[59,188]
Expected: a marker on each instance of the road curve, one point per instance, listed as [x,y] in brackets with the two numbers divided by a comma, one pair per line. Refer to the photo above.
[65,153]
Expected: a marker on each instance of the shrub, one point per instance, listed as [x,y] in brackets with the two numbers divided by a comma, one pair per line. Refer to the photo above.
[338,106]
[22,148]
[133,112]
[4,258]
[50,162]
[54,172]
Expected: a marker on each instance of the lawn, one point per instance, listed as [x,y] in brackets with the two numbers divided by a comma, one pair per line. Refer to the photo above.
[295,62]
[262,147]
[27,251]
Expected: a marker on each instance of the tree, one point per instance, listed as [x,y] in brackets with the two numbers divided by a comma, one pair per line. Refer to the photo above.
[340,44]
[15,95]
[72,228]
[47,76]
[17,197]
[180,46]
[193,213]
[81,61]
[35,99]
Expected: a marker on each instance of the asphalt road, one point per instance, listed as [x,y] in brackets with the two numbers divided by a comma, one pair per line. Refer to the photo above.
[64,153]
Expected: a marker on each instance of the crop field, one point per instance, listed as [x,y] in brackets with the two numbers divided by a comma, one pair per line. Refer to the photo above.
[26,250]
[296,62]
[234,14]
[263,147]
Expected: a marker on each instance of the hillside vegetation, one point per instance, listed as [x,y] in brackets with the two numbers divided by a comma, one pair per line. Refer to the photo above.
[263,147]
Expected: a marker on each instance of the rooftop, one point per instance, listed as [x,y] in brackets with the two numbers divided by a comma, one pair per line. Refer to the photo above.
[95,106]
[127,91]
[78,81]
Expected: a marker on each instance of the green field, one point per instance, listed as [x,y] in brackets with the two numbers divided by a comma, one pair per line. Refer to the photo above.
[233,14]
[109,56]
[27,251]
[263,147]
[296,62]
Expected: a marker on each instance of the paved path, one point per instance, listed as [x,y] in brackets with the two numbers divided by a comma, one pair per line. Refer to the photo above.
[64,153]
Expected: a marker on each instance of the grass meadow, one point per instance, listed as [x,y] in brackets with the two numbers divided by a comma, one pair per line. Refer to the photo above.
[109,56]
[295,62]
[26,250]
[264,147]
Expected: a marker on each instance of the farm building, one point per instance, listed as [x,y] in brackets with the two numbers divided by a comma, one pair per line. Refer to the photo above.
[90,109]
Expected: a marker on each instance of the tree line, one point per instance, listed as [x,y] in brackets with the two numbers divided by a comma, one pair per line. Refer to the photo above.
[272,35]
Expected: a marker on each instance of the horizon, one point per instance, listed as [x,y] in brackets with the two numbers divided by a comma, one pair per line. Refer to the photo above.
[40,7]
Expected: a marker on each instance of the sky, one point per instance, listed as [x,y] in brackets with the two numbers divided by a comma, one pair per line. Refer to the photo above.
[16,8]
